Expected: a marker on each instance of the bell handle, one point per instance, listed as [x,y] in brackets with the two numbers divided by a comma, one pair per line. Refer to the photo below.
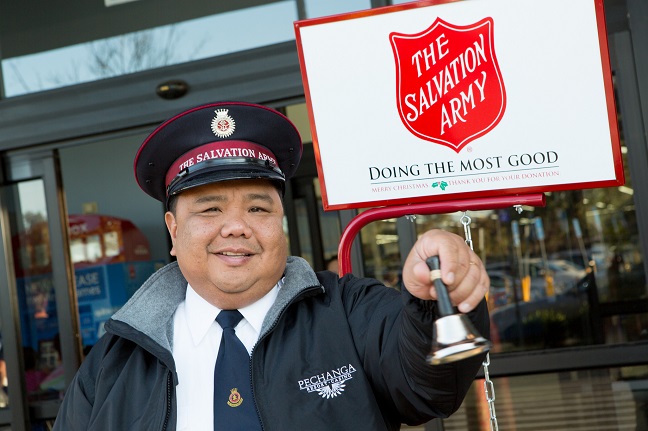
[443,300]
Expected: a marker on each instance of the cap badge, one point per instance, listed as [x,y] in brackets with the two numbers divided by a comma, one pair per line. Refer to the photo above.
[222,124]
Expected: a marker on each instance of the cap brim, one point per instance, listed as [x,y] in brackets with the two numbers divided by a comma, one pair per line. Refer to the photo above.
[224,172]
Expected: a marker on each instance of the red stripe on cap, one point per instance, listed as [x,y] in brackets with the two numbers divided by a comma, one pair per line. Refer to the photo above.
[218,150]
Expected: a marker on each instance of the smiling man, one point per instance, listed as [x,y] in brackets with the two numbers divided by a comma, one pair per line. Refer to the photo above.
[237,334]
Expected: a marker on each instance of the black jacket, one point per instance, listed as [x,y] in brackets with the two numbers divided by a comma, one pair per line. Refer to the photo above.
[333,353]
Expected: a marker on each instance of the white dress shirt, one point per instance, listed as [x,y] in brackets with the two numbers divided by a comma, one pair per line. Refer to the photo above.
[196,339]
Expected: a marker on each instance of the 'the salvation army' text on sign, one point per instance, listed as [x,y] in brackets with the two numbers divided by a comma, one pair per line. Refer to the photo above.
[442,75]
[436,100]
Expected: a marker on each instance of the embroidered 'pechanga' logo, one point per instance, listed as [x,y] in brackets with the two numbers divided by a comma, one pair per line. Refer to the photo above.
[450,89]
[329,384]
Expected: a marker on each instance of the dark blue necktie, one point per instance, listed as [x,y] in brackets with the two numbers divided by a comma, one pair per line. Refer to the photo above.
[234,408]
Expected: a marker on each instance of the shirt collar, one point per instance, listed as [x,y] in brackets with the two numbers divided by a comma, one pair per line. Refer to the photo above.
[255,313]
[201,314]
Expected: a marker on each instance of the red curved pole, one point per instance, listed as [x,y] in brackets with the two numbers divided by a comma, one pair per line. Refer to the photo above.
[382,213]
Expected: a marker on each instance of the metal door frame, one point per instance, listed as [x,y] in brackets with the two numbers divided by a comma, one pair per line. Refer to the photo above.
[43,165]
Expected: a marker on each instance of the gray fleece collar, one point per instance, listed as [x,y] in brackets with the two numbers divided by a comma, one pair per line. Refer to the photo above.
[299,276]
[150,310]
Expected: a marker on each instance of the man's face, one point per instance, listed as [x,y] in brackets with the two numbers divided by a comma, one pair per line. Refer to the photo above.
[229,241]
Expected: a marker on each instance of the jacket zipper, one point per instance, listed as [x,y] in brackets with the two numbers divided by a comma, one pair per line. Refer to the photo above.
[256,408]
[281,313]
[168,400]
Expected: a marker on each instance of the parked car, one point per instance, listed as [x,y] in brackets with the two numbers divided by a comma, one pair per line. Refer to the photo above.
[563,274]
[548,321]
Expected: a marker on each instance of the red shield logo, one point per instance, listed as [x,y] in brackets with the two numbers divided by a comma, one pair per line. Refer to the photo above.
[450,88]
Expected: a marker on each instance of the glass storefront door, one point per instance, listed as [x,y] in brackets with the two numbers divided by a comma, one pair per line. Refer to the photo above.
[79,239]
[318,232]
[315,232]
[117,235]
[45,347]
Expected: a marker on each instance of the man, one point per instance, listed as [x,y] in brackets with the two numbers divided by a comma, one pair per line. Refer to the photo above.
[327,353]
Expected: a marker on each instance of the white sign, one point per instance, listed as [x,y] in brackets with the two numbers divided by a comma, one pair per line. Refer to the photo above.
[438,100]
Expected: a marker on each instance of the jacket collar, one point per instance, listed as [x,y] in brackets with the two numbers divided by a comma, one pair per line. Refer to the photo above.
[150,310]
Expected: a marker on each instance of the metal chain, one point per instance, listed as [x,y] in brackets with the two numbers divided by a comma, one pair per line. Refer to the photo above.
[489,390]
[465,221]
[489,387]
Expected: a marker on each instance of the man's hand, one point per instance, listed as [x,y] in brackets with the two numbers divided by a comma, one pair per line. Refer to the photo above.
[461,270]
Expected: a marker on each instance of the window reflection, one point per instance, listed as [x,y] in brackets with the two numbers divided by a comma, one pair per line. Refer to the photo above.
[612,399]
[330,231]
[117,239]
[318,8]
[163,46]
[381,252]
[303,230]
[328,222]
[36,299]
[111,243]
[112,258]
[563,275]
[4,383]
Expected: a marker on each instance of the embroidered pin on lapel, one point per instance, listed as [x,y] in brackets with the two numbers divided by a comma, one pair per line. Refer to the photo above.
[235,399]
